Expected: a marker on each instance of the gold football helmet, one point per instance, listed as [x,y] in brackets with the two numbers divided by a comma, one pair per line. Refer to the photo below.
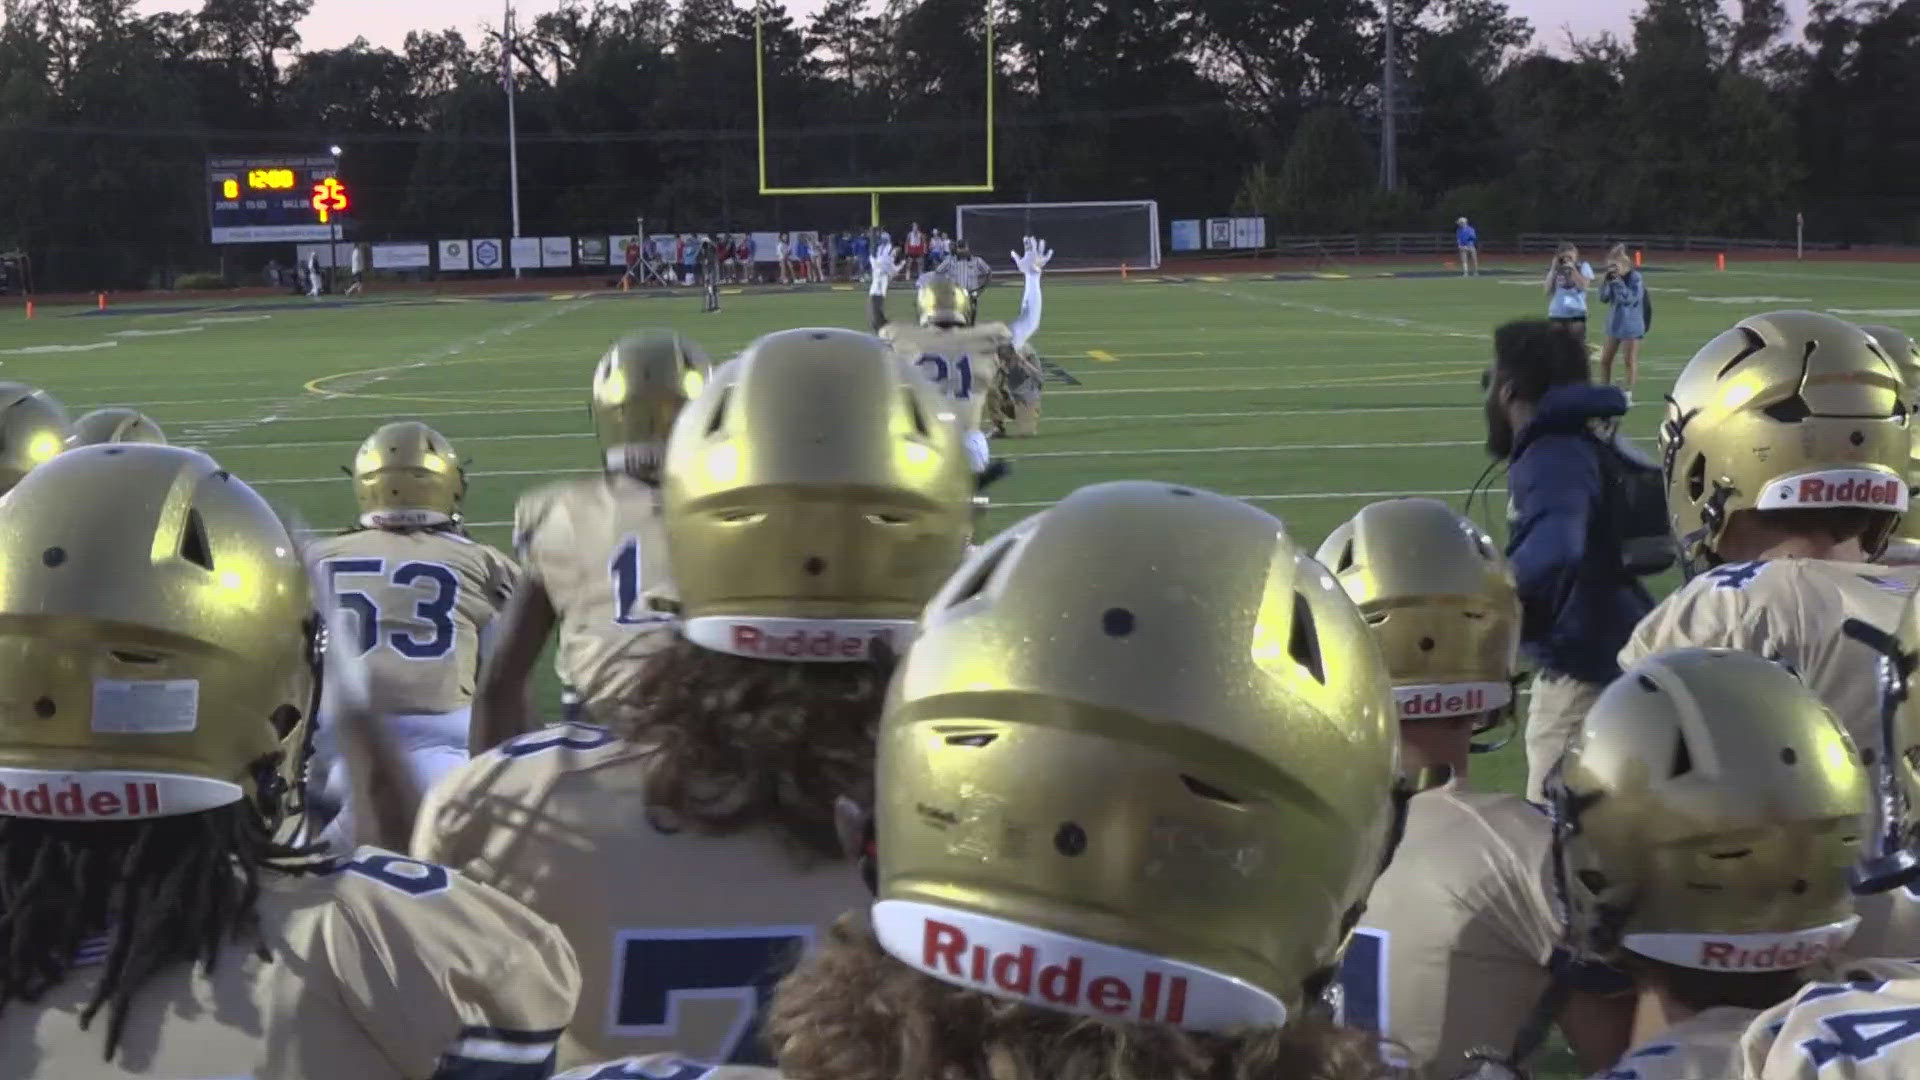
[33,428]
[638,388]
[405,474]
[1441,600]
[1142,764]
[944,303]
[1906,358]
[1787,409]
[158,644]
[1707,815]
[815,495]
[115,425]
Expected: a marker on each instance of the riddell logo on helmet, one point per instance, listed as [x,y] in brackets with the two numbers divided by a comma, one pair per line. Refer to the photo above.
[1815,491]
[825,644]
[1055,970]
[1449,699]
[1779,956]
[1154,999]
[71,801]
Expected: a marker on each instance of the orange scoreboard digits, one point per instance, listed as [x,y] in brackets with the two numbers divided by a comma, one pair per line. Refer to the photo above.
[329,198]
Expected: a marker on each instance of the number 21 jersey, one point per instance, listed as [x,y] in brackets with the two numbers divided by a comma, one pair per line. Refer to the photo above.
[962,361]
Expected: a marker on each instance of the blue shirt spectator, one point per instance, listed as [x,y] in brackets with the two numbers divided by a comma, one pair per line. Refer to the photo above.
[1464,235]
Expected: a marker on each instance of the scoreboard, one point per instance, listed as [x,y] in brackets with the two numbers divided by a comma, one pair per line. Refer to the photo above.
[255,200]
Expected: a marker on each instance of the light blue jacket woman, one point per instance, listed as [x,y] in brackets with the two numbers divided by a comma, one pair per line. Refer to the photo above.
[1626,296]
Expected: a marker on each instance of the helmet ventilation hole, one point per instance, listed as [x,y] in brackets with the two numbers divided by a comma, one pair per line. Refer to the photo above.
[1697,478]
[1648,685]
[1070,839]
[1426,644]
[193,542]
[974,740]
[983,571]
[54,556]
[914,411]
[1682,759]
[1787,755]
[719,419]
[1346,558]
[1754,344]
[44,708]
[1304,643]
[1117,622]
[1207,791]
[814,566]
[1791,411]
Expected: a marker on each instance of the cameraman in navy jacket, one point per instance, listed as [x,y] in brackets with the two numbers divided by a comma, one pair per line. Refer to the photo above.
[1579,606]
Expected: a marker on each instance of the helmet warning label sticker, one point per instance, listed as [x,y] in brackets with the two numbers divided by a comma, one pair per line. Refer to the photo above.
[146,707]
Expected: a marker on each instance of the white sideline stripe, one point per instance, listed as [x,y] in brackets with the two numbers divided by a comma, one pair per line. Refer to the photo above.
[1100,419]
[1278,448]
[1290,496]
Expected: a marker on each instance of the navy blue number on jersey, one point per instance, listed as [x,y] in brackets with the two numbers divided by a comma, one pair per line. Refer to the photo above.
[1363,981]
[1864,1035]
[434,609]
[410,876]
[937,371]
[569,736]
[669,1069]
[654,970]
[625,569]
[1735,575]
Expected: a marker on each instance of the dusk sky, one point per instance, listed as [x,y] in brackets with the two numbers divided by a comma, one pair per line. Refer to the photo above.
[385,22]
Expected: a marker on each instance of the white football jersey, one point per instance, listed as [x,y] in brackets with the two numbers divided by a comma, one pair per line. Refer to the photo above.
[1702,1047]
[1863,1023]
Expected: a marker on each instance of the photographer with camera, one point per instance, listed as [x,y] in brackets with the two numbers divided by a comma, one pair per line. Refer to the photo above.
[1567,279]
[1626,294]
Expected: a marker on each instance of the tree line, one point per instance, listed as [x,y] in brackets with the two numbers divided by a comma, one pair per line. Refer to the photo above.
[1705,119]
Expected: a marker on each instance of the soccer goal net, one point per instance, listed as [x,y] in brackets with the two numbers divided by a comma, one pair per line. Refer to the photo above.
[1084,235]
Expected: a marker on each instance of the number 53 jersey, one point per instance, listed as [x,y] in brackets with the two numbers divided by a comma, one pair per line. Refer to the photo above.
[599,550]
[680,936]
[420,601]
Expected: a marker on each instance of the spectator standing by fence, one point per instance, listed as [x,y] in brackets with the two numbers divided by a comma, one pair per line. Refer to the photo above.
[1625,293]
[1467,239]
[916,251]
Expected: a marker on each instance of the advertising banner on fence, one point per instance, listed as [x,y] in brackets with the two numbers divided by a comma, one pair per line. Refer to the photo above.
[486,254]
[1249,232]
[526,252]
[556,251]
[1186,235]
[455,255]
[402,256]
[1219,234]
[593,251]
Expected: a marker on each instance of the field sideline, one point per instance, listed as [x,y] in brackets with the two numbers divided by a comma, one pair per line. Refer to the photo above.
[1309,397]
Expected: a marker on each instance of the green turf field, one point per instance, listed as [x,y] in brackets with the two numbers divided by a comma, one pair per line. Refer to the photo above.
[1309,396]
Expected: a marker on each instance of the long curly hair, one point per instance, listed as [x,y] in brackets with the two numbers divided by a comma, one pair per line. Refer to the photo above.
[851,1012]
[740,743]
[153,893]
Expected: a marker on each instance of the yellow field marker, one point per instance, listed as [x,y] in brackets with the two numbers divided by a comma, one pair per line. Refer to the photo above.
[563,296]
[1212,278]
[1102,355]
[1333,277]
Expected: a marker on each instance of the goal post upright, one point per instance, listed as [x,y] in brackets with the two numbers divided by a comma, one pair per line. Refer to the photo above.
[872,191]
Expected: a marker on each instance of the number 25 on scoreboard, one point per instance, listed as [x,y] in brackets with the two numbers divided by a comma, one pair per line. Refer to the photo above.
[329,198]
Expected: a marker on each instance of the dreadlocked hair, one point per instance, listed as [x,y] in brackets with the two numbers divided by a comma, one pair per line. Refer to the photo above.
[159,892]
[740,743]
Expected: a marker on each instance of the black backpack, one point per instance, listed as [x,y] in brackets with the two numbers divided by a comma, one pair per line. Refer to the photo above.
[1633,496]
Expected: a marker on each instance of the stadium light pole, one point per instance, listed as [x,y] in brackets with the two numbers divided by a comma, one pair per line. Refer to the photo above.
[1389,135]
[333,244]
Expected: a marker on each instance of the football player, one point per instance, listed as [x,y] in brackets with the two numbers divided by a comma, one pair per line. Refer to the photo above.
[1460,933]
[962,359]
[1708,814]
[1126,807]
[33,428]
[814,500]
[1863,1021]
[1904,550]
[424,597]
[115,425]
[161,655]
[1785,448]
[594,552]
